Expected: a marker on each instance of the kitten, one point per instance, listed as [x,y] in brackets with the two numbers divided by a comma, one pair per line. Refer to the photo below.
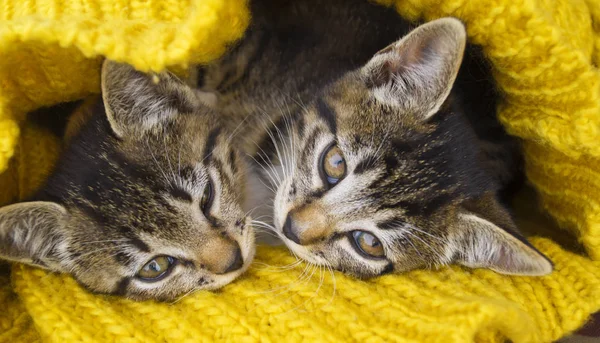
[145,202]
[378,160]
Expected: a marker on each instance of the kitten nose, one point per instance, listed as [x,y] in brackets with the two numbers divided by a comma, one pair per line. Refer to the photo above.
[220,255]
[289,230]
[237,263]
[307,225]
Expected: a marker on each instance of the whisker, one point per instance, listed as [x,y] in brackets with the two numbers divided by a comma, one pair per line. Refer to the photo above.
[168,158]
[156,162]
[292,265]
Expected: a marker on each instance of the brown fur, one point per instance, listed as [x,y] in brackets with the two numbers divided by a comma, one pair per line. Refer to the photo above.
[128,189]
[420,139]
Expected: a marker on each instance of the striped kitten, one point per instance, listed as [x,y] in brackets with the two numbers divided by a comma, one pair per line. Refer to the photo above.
[145,202]
[377,154]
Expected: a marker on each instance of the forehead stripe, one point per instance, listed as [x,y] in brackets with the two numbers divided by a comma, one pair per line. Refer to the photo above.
[309,148]
[390,224]
[224,177]
[91,211]
[211,141]
[300,123]
[118,163]
[232,160]
[327,114]
[138,243]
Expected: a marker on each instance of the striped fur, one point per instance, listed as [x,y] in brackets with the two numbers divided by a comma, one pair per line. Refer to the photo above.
[128,189]
[426,158]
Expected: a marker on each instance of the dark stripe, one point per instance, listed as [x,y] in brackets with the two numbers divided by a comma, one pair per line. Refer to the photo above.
[388,269]
[391,163]
[73,255]
[201,73]
[135,241]
[189,174]
[180,194]
[390,224]
[382,180]
[139,244]
[126,166]
[122,285]
[436,153]
[202,281]
[300,122]
[39,262]
[421,207]
[328,115]
[225,177]
[339,235]
[261,46]
[91,212]
[176,99]
[232,160]
[401,146]
[308,151]
[211,141]
[54,118]
[125,230]
[317,194]
[411,208]
[123,258]
[222,87]
[364,165]
[442,199]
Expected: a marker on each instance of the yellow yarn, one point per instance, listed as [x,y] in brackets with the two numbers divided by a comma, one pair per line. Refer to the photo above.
[544,54]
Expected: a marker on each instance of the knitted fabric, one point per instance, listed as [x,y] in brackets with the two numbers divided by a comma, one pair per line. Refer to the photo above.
[545,55]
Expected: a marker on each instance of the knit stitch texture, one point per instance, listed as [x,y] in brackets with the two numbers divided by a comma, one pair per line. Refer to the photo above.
[545,55]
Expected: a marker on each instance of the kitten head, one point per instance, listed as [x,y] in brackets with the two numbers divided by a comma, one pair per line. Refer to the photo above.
[145,202]
[385,174]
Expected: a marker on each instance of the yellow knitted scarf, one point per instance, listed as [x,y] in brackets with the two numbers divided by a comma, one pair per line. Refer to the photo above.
[545,55]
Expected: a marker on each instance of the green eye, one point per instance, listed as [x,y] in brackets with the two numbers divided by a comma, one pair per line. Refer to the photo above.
[207,198]
[333,165]
[157,268]
[367,244]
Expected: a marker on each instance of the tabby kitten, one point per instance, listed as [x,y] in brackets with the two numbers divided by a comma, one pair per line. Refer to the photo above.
[145,201]
[381,157]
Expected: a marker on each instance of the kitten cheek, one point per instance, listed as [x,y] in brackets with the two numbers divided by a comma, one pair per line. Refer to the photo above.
[280,206]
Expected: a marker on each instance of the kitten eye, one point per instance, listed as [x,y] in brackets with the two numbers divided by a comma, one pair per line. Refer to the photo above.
[333,165]
[368,244]
[207,197]
[157,268]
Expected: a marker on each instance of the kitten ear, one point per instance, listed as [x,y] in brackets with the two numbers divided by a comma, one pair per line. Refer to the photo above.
[416,73]
[136,102]
[488,239]
[30,233]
